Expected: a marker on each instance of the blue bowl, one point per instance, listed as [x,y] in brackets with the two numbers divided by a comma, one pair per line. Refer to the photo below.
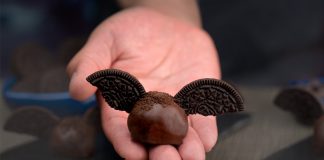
[303,82]
[59,103]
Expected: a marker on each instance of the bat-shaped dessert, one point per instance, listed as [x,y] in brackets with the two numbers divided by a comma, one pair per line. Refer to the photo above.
[69,136]
[157,117]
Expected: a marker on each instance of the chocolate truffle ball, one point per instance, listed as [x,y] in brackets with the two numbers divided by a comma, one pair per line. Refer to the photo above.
[73,137]
[31,58]
[319,135]
[157,119]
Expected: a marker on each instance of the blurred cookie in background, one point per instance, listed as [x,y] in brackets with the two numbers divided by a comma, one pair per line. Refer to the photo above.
[31,58]
[54,80]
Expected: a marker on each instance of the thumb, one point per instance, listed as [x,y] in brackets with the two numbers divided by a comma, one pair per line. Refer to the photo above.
[94,56]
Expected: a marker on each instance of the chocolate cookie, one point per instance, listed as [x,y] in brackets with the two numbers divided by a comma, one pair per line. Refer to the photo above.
[32,120]
[201,96]
[69,136]
[305,99]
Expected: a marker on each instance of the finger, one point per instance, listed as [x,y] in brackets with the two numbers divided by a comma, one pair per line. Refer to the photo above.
[163,152]
[192,147]
[206,129]
[116,130]
[79,88]
[94,56]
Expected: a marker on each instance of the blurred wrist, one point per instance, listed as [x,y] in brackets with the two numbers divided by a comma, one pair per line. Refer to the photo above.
[184,10]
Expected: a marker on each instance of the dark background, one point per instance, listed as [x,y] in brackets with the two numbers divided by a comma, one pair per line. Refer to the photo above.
[281,38]
[260,42]
[267,41]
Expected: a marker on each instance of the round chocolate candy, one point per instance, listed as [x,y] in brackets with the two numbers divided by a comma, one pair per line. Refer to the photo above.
[31,59]
[157,119]
[73,137]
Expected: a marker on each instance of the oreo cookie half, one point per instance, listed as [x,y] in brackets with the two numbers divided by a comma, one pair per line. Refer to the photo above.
[209,97]
[120,89]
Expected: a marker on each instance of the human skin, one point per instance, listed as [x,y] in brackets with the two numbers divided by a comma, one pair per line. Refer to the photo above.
[164,53]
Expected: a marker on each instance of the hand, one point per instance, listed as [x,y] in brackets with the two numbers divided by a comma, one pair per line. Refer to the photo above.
[164,54]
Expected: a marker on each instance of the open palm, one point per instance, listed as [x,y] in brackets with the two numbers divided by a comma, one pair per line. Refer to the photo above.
[164,54]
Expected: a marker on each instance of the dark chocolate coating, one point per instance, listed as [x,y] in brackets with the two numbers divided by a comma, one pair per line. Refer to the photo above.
[305,101]
[318,141]
[157,119]
[73,137]
[209,97]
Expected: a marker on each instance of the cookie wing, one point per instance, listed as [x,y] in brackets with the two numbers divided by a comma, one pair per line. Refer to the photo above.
[120,89]
[209,97]
[34,121]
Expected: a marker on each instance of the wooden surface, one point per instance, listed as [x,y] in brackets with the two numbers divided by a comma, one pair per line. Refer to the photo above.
[270,131]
